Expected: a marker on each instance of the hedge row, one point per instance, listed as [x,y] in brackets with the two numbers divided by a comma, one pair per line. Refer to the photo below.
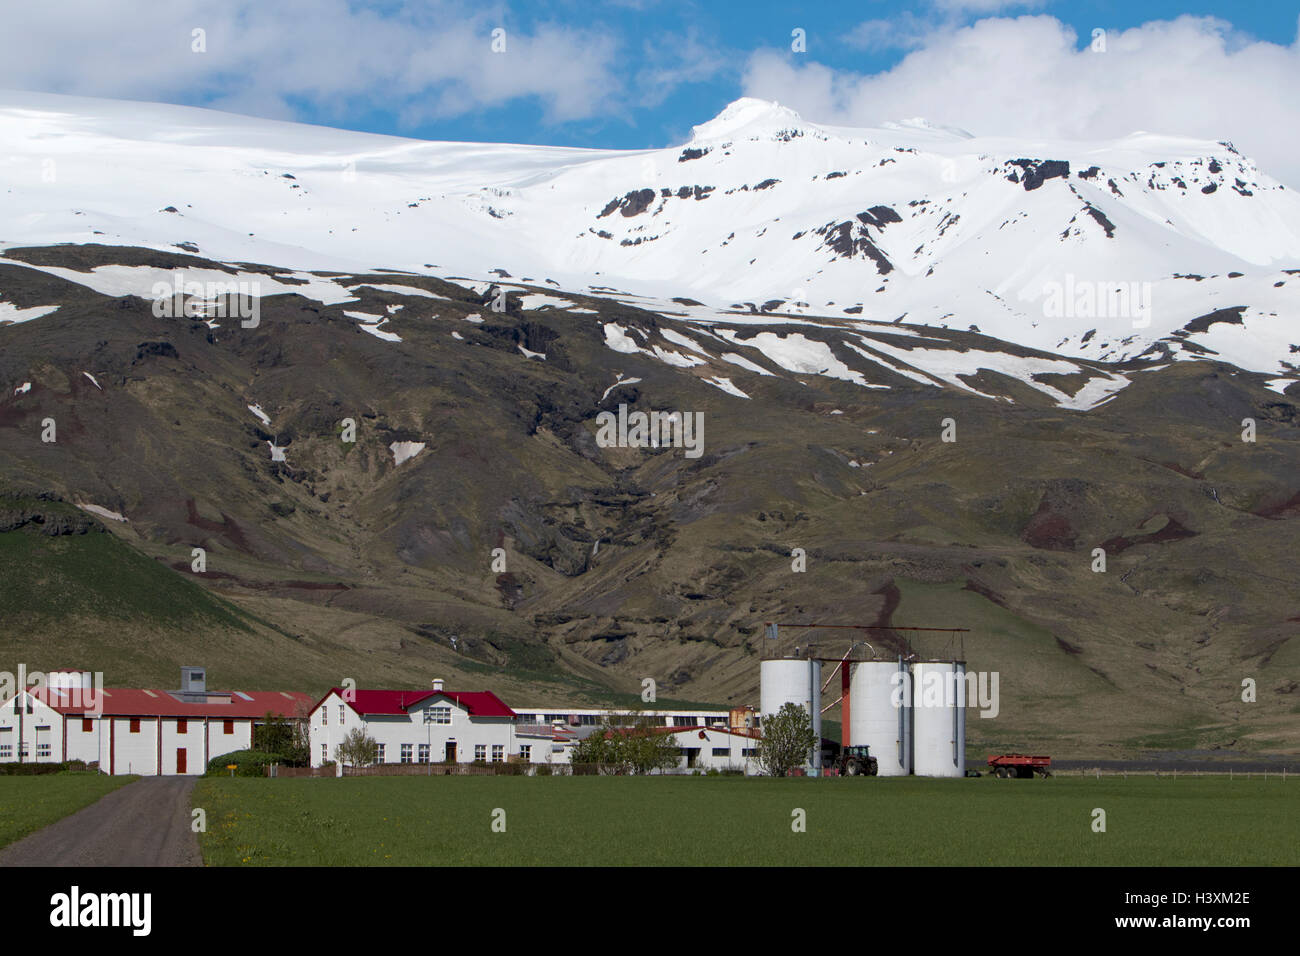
[30,769]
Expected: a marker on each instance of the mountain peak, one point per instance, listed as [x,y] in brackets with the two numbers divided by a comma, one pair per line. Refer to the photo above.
[749,117]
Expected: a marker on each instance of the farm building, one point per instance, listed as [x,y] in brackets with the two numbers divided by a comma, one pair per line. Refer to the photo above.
[130,730]
[433,726]
[591,717]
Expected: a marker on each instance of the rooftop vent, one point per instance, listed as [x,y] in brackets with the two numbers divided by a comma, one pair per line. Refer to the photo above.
[194,680]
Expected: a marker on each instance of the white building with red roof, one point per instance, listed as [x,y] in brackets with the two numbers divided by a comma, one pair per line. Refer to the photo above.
[136,730]
[431,726]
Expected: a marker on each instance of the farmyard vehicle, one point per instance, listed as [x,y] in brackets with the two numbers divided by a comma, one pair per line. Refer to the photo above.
[856,761]
[1020,765]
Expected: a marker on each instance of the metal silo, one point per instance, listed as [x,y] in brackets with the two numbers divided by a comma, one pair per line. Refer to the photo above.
[881,714]
[790,680]
[938,718]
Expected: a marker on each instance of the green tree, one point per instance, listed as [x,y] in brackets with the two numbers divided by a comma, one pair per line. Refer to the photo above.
[628,746]
[358,749]
[788,740]
[288,738]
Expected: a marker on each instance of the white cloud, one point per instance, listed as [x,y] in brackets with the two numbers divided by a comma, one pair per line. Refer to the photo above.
[435,59]
[1032,76]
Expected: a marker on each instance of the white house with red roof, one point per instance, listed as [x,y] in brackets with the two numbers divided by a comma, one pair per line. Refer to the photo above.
[136,730]
[431,726]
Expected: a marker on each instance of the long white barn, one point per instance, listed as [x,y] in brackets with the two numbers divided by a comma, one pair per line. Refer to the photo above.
[134,730]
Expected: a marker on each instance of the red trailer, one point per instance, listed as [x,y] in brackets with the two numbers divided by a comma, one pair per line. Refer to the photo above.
[1020,765]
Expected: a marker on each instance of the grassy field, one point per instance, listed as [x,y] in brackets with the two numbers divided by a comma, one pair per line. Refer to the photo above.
[735,821]
[29,803]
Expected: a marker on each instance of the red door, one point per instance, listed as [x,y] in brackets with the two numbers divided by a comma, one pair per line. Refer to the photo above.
[180,759]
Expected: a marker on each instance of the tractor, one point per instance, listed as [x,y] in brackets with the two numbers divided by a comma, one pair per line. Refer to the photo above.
[856,761]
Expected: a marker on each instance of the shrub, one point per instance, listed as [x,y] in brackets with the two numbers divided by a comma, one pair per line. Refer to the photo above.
[248,763]
[35,769]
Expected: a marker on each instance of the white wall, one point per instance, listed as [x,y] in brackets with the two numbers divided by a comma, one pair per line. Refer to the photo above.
[734,746]
[42,716]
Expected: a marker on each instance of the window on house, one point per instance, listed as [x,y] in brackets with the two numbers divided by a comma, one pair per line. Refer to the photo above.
[42,749]
[135,725]
[424,753]
[324,716]
[406,753]
[526,751]
[722,751]
[340,715]
[379,753]
[324,752]
[182,725]
[681,721]
[480,753]
[87,725]
[498,753]
[438,715]
[6,751]
[747,752]
[22,749]
[228,727]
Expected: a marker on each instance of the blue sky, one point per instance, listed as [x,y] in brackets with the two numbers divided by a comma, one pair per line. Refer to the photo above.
[736,29]
[638,73]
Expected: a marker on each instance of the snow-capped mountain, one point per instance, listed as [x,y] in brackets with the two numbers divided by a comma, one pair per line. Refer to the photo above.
[1149,247]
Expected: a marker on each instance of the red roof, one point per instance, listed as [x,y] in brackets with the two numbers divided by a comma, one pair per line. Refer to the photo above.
[139,702]
[481,703]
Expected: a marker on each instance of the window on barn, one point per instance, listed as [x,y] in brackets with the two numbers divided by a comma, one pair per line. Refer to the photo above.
[747,752]
[722,751]
[683,721]
[135,725]
[228,727]
[498,753]
[440,714]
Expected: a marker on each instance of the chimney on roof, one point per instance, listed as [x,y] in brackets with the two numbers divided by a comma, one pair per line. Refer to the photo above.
[437,683]
[194,680]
